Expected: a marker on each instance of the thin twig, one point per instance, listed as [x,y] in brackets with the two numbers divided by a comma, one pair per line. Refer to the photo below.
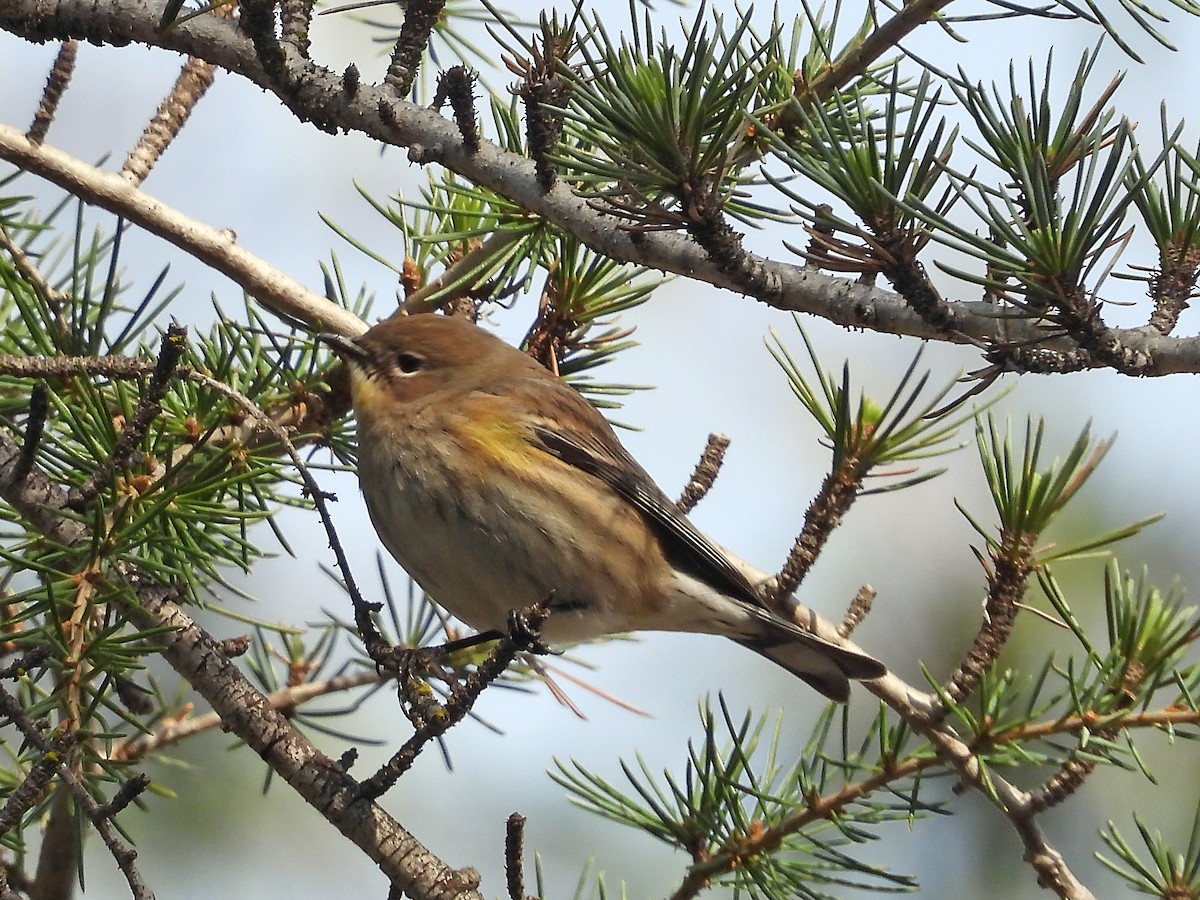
[295,20]
[130,790]
[836,495]
[705,474]
[34,734]
[1007,579]
[372,639]
[33,659]
[514,856]
[179,727]
[56,86]
[859,607]
[462,698]
[39,399]
[853,63]
[29,791]
[54,300]
[194,80]
[420,17]
[457,84]
[174,343]
[1173,286]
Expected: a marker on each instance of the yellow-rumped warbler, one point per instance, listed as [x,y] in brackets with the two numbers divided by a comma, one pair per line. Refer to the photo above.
[497,486]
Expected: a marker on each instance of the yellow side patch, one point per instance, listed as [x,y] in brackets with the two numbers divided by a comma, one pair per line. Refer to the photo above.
[494,437]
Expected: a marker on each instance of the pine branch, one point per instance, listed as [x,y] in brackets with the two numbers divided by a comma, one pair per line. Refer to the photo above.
[215,248]
[433,138]
[200,659]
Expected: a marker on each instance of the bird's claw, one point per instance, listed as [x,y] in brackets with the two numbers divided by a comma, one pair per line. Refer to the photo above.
[525,630]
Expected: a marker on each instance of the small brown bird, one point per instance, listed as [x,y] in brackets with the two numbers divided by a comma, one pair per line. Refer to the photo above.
[497,486]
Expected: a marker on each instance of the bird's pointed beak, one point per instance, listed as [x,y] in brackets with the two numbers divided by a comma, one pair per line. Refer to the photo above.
[348,349]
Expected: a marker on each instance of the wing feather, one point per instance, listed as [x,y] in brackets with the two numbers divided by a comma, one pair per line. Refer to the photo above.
[685,544]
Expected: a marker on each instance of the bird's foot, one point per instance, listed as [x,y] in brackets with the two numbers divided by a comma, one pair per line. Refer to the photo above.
[525,629]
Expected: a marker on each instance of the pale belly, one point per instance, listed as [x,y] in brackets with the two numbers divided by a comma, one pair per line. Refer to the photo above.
[485,553]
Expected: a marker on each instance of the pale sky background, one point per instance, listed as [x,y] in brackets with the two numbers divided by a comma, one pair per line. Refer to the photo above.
[245,164]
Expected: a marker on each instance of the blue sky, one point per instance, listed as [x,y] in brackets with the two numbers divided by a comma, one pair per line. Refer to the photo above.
[243,163]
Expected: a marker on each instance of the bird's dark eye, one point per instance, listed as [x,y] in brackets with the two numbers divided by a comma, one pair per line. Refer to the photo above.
[409,362]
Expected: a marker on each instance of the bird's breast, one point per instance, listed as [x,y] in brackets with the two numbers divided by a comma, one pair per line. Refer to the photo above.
[485,522]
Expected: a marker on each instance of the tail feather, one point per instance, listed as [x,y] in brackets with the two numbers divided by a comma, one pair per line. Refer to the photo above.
[818,662]
[793,641]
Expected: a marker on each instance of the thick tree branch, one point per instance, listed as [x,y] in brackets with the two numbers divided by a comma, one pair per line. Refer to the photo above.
[244,711]
[320,780]
[216,248]
[316,94]
[200,659]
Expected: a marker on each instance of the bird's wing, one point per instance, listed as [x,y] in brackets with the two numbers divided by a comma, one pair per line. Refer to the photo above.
[685,544]
[783,641]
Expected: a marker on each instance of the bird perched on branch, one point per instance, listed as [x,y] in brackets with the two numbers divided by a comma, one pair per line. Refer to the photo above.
[497,486]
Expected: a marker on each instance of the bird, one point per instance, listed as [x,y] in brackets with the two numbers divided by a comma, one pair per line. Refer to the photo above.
[496,486]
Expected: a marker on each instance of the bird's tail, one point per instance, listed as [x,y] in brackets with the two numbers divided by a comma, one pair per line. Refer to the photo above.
[823,664]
